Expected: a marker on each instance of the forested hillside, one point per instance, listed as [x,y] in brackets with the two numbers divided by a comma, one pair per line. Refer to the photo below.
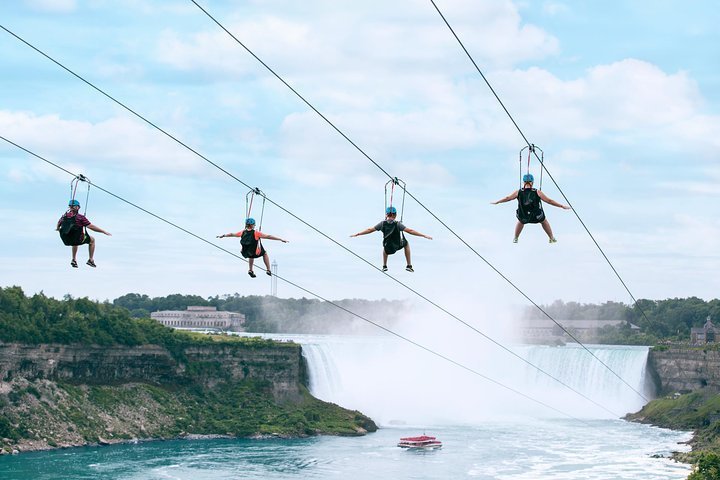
[659,320]
[272,314]
[40,319]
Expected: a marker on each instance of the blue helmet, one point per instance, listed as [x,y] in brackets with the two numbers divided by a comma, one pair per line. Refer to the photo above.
[73,203]
[249,221]
[390,210]
[528,178]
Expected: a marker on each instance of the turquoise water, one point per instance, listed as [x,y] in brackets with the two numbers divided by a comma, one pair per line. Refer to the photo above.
[488,432]
[540,449]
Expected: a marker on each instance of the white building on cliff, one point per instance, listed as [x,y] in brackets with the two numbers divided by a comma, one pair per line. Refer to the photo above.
[207,318]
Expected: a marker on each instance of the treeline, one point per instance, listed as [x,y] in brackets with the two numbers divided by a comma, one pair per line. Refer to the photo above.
[271,314]
[673,318]
[39,319]
[560,310]
[658,320]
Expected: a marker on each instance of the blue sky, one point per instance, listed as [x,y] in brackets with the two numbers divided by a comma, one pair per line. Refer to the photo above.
[622,96]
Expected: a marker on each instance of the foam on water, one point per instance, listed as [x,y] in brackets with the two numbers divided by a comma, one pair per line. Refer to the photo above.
[487,432]
[529,450]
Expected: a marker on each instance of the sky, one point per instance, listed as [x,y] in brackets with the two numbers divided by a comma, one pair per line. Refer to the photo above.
[622,97]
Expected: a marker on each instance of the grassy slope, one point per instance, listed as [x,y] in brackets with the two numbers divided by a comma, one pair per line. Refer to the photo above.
[43,414]
[698,411]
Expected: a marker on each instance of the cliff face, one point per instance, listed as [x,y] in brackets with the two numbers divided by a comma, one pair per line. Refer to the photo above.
[684,369]
[70,395]
[281,366]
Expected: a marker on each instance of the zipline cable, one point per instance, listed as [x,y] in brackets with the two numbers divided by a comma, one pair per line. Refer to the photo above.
[413,197]
[543,167]
[289,282]
[330,238]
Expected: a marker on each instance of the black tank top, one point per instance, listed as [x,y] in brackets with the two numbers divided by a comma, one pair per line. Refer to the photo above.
[250,247]
[393,240]
[529,206]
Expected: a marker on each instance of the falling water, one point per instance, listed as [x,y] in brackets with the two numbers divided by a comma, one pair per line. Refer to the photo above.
[395,382]
[406,390]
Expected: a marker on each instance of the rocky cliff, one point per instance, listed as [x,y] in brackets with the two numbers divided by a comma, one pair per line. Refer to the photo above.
[67,395]
[688,382]
[684,369]
[279,364]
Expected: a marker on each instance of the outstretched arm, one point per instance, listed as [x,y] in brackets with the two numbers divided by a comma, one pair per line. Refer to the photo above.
[512,196]
[416,233]
[364,232]
[239,234]
[95,228]
[550,201]
[271,237]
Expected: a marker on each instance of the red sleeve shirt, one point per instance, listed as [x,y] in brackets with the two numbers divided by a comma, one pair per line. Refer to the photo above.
[81,220]
[258,235]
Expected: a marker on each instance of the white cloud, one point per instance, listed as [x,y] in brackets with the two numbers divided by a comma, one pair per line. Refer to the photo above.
[52,6]
[694,188]
[36,170]
[349,40]
[316,155]
[632,94]
[208,50]
[143,7]
[631,101]
[494,32]
[555,8]
[705,185]
[117,142]
[401,86]
[389,84]
[19,175]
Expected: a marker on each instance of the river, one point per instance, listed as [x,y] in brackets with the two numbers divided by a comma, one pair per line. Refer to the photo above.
[558,423]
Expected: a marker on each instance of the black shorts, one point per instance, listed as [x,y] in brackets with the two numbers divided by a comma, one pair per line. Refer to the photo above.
[525,220]
[254,253]
[390,249]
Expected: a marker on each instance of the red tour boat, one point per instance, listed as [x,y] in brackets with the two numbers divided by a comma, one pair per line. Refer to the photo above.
[423,441]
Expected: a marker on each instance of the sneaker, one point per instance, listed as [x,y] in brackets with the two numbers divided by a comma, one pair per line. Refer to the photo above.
[552,240]
[269,273]
[384,269]
[91,263]
[251,273]
[409,268]
[515,240]
[73,264]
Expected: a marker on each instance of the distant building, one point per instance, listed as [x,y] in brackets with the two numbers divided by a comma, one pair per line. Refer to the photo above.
[704,334]
[544,330]
[201,317]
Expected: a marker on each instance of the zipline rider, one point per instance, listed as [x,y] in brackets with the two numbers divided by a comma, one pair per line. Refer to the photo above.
[530,207]
[73,231]
[250,240]
[393,238]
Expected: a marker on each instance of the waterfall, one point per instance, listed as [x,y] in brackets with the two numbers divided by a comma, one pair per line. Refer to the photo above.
[395,382]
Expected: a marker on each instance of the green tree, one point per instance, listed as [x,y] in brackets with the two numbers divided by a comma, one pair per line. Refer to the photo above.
[707,467]
[40,319]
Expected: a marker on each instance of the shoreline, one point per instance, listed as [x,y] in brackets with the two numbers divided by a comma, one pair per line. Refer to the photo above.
[57,396]
[31,446]
[692,412]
